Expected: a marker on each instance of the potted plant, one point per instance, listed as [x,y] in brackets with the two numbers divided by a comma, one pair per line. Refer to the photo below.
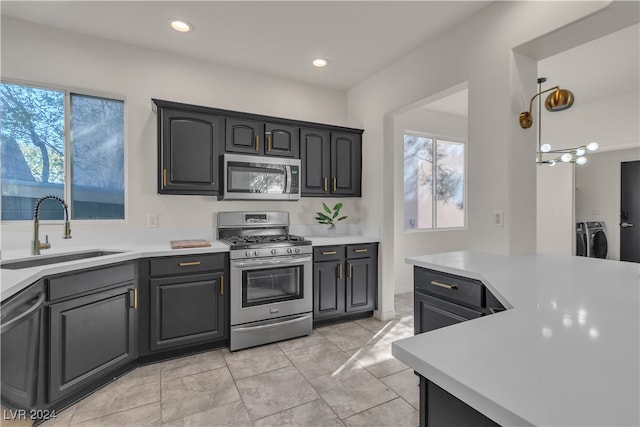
[330,216]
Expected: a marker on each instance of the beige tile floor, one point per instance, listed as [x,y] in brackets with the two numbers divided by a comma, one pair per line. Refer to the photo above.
[341,375]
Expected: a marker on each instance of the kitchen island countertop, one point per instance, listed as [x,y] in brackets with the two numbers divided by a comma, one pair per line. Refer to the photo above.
[566,352]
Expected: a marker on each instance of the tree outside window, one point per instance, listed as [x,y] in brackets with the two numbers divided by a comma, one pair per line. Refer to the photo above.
[37,159]
[434,182]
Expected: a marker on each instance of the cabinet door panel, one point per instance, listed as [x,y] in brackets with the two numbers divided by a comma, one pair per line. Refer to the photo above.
[244,136]
[89,337]
[362,278]
[282,140]
[431,313]
[346,164]
[329,296]
[186,310]
[314,155]
[189,147]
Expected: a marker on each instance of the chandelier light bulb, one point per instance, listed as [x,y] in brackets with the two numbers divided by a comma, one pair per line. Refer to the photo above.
[581,151]
[566,157]
[545,148]
[552,162]
[581,160]
[592,146]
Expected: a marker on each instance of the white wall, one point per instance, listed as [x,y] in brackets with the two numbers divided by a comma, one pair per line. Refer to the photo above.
[598,192]
[414,242]
[555,201]
[49,56]
[501,172]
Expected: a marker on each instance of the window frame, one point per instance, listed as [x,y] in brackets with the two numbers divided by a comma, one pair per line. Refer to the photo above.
[68,156]
[435,138]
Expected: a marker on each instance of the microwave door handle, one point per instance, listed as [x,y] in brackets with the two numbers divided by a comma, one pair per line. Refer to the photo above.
[287,189]
[254,265]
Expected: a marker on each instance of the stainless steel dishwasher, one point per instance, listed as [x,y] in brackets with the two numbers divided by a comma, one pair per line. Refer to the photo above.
[21,330]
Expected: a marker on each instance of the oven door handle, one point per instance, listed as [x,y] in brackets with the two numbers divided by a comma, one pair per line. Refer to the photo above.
[271,325]
[257,264]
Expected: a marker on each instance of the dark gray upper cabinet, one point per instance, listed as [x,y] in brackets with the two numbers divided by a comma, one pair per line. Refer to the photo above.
[282,140]
[262,138]
[244,136]
[315,148]
[188,148]
[191,140]
[331,163]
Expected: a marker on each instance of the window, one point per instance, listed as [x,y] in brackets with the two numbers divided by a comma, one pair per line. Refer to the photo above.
[84,163]
[434,178]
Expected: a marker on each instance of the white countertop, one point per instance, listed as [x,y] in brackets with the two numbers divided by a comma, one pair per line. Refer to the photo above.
[567,352]
[13,281]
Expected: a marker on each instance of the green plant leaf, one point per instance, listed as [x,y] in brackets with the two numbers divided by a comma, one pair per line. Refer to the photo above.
[341,218]
[337,207]
[326,208]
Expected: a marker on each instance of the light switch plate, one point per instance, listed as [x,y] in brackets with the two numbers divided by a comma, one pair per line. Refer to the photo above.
[498,218]
[153,220]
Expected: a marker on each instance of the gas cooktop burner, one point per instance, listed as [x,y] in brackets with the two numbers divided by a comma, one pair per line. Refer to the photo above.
[260,240]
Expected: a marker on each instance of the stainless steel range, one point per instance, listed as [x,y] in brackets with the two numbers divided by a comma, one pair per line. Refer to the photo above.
[271,279]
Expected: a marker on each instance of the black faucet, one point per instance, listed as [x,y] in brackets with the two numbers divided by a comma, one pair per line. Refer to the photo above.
[36,246]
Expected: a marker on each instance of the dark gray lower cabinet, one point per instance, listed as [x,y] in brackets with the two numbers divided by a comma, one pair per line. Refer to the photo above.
[345,281]
[440,408]
[328,290]
[90,336]
[188,300]
[186,310]
[442,299]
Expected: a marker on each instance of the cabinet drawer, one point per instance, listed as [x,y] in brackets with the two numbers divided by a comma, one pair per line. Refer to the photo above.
[86,281]
[328,253]
[366,250]
[448,286]
[186,264]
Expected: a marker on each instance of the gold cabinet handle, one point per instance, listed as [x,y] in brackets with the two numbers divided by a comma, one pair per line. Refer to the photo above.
[325,187]
[443,285]
[269,141]
[257,143]
[329,253]
[135,299]
[350,274]
[189,264]
[221,285]
[335,184]
[164,177]
[359,251]
[339,271]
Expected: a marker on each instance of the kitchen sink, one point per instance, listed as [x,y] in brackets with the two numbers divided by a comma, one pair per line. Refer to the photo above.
[37,261]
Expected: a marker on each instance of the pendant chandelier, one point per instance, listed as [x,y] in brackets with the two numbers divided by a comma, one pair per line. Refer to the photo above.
[558,100]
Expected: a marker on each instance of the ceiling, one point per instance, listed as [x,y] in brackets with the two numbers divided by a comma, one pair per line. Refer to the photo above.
[281,38]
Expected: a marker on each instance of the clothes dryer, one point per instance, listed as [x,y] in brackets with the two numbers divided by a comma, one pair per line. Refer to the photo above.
[582,242]
[597,246]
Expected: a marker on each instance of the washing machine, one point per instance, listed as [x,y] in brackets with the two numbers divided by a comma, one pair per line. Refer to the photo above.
[596,239]
[581,239]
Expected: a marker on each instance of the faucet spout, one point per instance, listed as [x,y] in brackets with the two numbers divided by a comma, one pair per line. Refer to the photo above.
[36,246]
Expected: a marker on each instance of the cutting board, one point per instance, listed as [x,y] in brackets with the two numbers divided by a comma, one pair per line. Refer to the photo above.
[181,244]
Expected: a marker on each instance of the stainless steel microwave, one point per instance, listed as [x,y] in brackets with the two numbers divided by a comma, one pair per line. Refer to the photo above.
[260,178]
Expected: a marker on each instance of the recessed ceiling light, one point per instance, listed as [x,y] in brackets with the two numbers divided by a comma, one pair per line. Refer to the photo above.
[319,62]
[181,26]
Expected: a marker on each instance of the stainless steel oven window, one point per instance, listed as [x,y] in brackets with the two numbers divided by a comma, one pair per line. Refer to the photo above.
[266,286]
[256,178]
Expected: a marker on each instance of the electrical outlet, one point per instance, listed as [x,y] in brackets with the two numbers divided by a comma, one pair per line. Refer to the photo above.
[152,220]
[498,218]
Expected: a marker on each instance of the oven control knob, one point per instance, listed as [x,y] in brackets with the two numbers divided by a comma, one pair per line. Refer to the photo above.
[298,250]
[289,250]
[257,253]
[274,252]
[248,253]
